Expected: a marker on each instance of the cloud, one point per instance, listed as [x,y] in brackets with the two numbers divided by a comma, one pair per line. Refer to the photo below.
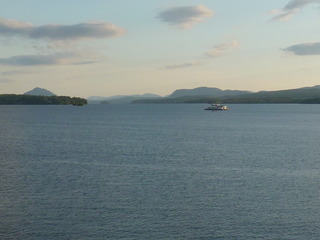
[217,51]
[294,4]
[222,48]
[58,43]
[304,49]
[185,17]
[49,59]
[15,72]
[293,7]
[32,60]
[5,80]
[183,65]
[13,27]
[55,32]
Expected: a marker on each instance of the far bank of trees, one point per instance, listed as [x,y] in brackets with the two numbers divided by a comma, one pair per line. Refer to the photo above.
[17,99]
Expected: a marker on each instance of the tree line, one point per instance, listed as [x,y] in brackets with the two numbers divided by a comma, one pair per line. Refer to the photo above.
[19,99]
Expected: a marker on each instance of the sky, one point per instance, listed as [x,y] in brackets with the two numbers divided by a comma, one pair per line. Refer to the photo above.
[103,48]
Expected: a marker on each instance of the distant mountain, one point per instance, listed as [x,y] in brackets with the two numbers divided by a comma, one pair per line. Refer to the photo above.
[299,95]
[117,99]
[39,92]
[314,87]
[205,91]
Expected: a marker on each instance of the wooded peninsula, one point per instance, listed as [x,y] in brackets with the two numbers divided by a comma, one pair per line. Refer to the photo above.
[19,99]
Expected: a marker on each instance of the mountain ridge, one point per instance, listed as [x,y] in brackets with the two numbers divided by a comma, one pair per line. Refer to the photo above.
[39,92]
[206,91]
[298,95]
[118,99]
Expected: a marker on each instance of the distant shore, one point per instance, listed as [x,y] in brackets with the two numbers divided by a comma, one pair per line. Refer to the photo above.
[19,99]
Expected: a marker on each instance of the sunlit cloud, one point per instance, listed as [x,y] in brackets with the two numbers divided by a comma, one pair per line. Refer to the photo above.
[304,49]
[222,49]
[292,8]
[56,44]
[55,32]
[185,17]
[183,65]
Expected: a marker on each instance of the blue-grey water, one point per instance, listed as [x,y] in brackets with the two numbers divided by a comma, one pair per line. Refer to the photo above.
[160,172]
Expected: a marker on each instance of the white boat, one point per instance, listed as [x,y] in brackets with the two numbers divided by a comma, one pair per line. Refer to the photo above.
[215,107]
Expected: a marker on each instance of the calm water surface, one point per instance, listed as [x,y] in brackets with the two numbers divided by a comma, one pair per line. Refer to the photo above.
[159,172]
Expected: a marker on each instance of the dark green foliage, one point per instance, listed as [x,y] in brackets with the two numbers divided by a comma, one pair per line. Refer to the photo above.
[14,99]
[283,96]
[314,100]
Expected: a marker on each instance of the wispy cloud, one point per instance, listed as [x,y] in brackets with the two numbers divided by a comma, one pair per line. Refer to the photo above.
[33,60]
[183,65]
[5,80]
[222,48]
[54,32]
[293,7]
[59,58]
[185,17]
[15,72]
[218,50]
[304,49]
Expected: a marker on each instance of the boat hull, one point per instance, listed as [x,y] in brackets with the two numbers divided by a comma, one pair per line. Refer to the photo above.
[216,107]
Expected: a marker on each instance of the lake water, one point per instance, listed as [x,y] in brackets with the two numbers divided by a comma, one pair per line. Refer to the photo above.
[160,172]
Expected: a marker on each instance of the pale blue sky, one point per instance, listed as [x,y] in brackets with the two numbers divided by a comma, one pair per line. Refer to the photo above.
[99,47]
